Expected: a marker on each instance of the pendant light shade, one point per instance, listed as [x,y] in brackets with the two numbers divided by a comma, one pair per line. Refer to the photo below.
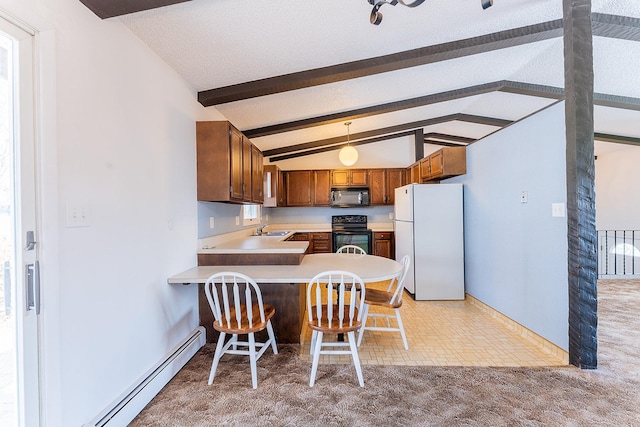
[348,154]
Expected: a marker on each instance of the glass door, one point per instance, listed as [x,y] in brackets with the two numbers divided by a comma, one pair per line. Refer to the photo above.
[19,278]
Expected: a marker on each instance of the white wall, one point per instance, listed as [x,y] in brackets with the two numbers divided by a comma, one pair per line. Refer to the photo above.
[618,189]
[118,136]
[395,153]
[516,253]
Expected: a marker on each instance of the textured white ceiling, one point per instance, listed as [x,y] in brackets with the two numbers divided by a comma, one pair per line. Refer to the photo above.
[222,42]
[215,43]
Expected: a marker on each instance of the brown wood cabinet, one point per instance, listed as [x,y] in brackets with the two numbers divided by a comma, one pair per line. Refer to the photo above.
[415,173]
[321,187]
[273,191]
[226,169]
[299,187]
[382,185]
[350,178]
[257,175]
[237,172]
[299,237]
[383,244]
[307,187]
[377,187]
[320,243]
[444,163]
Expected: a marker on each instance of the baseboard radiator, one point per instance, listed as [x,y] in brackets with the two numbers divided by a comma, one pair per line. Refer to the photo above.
[129,404]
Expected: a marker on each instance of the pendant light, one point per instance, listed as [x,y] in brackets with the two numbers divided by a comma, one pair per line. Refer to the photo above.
[348,154]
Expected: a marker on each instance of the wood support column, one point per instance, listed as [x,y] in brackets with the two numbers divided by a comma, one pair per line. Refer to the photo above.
[582,236]
[419,150]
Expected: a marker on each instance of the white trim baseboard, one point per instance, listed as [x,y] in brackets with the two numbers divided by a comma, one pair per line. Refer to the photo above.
[130,403]
[540,342]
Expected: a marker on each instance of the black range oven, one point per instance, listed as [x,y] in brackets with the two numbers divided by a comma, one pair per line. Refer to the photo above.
[351,230]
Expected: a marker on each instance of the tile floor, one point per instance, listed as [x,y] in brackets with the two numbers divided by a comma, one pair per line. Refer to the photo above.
[445,333]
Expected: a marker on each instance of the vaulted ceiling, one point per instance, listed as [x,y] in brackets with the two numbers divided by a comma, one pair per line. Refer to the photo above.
[290,73]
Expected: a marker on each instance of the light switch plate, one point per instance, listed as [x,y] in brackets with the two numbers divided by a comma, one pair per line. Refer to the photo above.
[557,210]
[78,215]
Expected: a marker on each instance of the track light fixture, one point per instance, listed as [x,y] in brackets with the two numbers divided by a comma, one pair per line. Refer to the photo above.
[376,16]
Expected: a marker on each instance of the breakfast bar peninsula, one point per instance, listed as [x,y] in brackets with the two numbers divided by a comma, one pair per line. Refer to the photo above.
[284,286]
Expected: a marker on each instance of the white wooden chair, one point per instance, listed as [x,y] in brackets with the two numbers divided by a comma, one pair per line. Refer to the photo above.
[229,295]
[390,299]
[332,300]
[351,249]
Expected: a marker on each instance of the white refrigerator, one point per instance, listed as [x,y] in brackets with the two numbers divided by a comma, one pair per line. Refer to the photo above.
[429,228]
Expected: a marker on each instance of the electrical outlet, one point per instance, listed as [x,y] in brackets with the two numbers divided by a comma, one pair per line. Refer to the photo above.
[237,220]
[211,222]
[524,197]
[390,215]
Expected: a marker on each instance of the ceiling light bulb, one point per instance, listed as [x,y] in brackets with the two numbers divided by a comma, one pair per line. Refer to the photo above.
[348,155]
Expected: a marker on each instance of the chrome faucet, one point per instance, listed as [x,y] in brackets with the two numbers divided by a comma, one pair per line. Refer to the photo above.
[260,229]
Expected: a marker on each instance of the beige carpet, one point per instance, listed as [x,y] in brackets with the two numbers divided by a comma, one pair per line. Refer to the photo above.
[417,396]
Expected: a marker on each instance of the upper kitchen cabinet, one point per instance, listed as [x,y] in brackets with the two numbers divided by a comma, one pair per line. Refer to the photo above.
[447,162]
[274,193]
[444,163]
[307,187]
[395,179]
[257,174]
[382,185]
[228,165]
[350,178]
[414,173]
[321,187]
[299,187]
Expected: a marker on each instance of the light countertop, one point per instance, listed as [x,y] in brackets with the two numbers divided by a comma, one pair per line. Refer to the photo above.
[368,267]
[242,242]
[257,244]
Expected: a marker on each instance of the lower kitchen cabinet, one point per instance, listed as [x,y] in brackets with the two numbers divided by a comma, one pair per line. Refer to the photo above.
[383,244]
[319,242]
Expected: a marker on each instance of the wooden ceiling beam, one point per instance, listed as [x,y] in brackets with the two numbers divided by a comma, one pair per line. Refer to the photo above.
[450,138]
[339,146]
[618,139]
[391,132]
[383,64]
[615,26]
[444,143]
[110,8]
[390,107]
[501,85]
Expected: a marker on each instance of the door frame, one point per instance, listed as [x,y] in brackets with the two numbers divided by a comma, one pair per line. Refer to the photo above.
[28,322]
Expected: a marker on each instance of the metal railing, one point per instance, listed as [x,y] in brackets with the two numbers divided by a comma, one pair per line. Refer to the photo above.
[618,252]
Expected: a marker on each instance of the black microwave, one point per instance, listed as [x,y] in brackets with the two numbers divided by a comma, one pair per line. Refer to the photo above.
[349,197]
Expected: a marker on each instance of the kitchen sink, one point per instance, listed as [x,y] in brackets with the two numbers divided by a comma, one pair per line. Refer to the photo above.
[278,233]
